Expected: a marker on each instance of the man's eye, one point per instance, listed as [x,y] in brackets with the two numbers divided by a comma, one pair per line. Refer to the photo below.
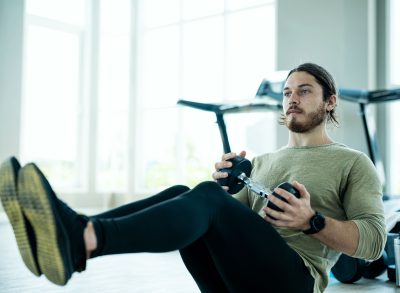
[286,94]
[304,92]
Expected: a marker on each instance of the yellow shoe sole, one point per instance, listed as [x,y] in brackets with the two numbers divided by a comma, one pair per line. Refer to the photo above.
[38,202]
[23,232]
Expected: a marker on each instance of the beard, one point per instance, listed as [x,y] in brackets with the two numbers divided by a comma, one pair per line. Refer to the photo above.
[312,120]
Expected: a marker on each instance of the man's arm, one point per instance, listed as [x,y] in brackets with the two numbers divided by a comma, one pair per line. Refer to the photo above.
[342,236]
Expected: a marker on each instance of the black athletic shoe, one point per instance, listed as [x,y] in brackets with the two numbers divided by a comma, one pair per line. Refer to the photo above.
[58,229]
[22,229]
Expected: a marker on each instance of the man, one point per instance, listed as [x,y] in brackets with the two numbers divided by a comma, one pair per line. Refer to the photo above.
[226,245]
[343,194]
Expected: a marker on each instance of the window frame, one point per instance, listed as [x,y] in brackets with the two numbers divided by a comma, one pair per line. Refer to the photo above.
[88,194]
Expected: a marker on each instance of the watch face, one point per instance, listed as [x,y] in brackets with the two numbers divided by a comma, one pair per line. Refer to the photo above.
[318,222]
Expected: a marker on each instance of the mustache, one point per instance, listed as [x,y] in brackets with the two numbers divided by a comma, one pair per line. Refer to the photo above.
[294,108]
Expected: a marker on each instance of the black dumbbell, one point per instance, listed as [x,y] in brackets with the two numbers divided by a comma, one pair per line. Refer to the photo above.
[241,166]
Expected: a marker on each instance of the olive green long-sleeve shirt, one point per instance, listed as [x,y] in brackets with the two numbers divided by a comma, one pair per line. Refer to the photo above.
[343,184]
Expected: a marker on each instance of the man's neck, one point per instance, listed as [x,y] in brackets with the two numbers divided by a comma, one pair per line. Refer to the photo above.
[312,138]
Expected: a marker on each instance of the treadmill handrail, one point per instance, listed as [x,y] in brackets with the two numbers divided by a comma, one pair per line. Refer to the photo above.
[231,108]
[367,97]
[359,96]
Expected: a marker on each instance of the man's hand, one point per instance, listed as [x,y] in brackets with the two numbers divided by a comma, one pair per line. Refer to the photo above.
[224,163]
[340,235]
[297,212]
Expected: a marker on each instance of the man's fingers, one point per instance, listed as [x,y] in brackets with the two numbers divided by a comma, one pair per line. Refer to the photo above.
[276,214]
[222,175]
[218,175]
[291,198]
[301,188]
[279,202]
[228,156]
[224,160]
[222,165]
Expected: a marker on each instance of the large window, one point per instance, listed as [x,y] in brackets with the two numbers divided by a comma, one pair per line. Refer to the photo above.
[102,79]
[394,107]
[205,51]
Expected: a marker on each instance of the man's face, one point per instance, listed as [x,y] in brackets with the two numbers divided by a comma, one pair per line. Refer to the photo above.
[303,104]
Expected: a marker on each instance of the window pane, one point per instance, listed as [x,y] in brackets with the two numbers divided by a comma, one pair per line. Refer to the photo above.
[250,50]
[160,12]
[202,146]
[51,103]
[70,11]
[253,132]
[158,152]
[203,59]
[196,8]
[159,81]
[115,16]
[113,97]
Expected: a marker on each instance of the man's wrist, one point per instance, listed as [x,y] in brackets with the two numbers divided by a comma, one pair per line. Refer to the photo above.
[316,224]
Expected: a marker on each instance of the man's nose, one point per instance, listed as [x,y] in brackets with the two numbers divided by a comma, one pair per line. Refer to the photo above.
[294,99]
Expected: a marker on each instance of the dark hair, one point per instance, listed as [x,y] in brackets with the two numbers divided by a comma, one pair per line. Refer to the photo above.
[325,80]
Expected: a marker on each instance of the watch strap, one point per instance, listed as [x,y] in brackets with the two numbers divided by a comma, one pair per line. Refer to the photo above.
[313,227]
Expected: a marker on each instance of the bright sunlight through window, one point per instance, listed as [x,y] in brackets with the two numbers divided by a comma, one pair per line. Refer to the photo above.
[102,79]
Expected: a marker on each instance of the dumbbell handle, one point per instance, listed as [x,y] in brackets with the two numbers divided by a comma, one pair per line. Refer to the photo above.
[256,188]
[264,191]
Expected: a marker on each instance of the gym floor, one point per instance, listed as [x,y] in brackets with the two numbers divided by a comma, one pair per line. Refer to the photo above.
[144,272]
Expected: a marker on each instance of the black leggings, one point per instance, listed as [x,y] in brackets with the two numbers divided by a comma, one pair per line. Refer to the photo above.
[226,246]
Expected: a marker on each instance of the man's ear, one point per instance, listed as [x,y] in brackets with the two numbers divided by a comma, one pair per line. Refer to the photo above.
[331,103]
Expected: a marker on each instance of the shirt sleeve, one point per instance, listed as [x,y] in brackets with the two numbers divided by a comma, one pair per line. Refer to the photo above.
[363,205]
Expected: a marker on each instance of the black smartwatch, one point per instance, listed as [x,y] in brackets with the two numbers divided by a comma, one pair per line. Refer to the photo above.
[317,223]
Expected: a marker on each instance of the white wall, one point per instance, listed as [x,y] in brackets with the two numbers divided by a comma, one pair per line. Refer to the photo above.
[338,35]
[11,36]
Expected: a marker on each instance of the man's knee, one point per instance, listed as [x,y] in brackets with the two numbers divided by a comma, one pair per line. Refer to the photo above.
[209,186]
[211,191]
[180,188]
